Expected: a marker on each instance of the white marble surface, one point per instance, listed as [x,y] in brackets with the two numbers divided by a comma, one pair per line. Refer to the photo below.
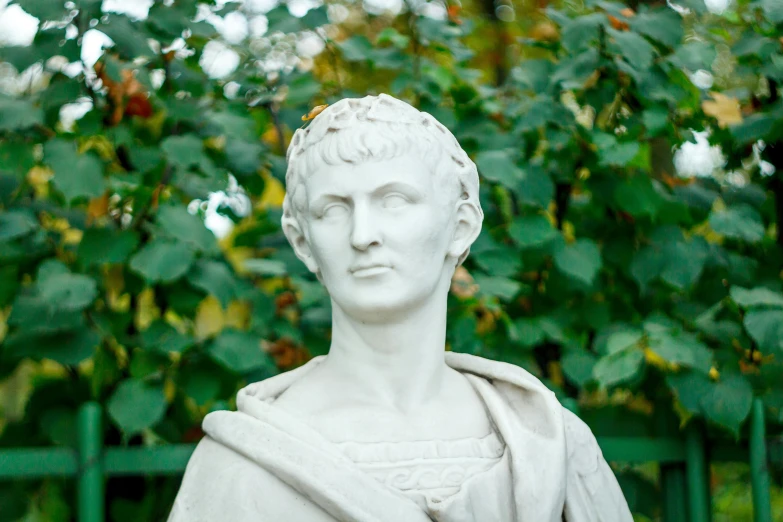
[382,206]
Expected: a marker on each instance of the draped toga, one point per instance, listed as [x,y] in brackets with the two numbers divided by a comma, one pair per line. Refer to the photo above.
[541,463]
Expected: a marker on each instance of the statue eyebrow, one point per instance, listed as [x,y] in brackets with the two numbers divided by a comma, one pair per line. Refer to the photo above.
[399,186]
[325,198]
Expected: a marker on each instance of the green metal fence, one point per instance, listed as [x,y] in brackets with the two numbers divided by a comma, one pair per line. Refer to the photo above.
[684,465]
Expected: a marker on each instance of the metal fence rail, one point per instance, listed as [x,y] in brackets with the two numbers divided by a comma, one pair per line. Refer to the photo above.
[684,465]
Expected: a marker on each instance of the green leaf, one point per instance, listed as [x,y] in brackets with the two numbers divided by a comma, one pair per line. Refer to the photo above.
[18,114]
[239,351]
[581,31]
[728,403]
[244,158]
[234,125]
[67,291]
[356,48]
[656,120]
[738,222]
[201,384]
[390,35]
[637,196]
[527,332]
[44,9]
[683,349]
[281,19]
[302,90]
[754,128]
[164,338]
[169,21]
[766,328]
[214,278]
[176,222]
[635,49]
[315,17]
[759,296]
[622,340]
[662,25]
[619,154]
[694,55]
[16,223]
[106,245]
[67,347]
[75,175]
[502,287]
[580,260]
[684,262]
[619,367]
[534,74]
[773,10]
[532,231]
[129,41]
[162,261]
[184,151]
[574,71]
[267,267]
[497,166]
[135,406]
[690,388]
[536,187]
[578,366]
[754,46]
[504,262]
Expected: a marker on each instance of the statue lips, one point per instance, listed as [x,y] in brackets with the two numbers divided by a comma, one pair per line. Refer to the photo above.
[369,270]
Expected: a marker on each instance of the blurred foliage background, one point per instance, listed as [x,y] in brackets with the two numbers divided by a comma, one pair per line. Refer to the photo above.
[631,157]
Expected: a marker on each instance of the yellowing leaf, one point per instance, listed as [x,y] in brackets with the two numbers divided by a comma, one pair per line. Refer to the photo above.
[273,194]
[169,389]
[210,319]
[314,112]
[72,236]
[270,285]
[173,319]
[54,224]
[705,230]
[556,373]
[569,233]
[114,283]
[39,178]
[98,207]
[462,283]
[725,109]
[146,309]
[653,359]
[238,315]
[4,322]
[683,413]
[237,257]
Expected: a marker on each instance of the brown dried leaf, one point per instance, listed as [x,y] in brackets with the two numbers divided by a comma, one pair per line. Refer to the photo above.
[724,108]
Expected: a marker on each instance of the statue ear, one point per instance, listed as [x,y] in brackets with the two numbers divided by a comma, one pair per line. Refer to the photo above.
[466,231]
[293,232]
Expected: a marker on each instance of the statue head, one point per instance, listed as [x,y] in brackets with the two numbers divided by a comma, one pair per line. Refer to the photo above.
[382,204]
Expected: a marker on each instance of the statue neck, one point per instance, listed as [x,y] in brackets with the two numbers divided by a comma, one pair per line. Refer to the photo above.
[399,364]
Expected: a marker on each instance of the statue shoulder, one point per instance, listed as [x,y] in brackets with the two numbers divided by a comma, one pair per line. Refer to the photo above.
[592,491]
[221,484]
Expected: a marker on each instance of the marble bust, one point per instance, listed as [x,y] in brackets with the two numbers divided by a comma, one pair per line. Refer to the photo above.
[382,206]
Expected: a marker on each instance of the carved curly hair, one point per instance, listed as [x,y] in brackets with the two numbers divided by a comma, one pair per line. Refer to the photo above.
[339,134]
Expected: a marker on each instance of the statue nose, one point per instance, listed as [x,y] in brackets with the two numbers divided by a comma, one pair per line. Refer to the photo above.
[364,230]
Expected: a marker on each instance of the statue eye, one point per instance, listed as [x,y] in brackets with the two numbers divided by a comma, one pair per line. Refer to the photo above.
[335,210]
[394,201]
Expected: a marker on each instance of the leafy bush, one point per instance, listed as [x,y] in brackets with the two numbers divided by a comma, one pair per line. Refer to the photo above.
[650,297]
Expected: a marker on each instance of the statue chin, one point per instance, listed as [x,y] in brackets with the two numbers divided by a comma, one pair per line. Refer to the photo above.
[389,426]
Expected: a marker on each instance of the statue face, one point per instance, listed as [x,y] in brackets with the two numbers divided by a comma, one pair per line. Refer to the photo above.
[379,233]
